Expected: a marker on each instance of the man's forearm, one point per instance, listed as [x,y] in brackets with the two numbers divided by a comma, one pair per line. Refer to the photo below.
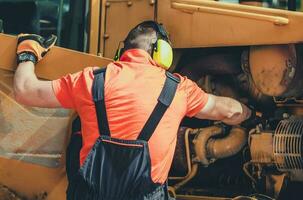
[28,89]
[25,80]
[225,109]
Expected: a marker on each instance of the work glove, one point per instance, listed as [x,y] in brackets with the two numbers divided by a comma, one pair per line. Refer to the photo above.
[35,44]
[253,120]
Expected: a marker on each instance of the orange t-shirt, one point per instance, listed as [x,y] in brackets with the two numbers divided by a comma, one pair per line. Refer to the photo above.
[132,87]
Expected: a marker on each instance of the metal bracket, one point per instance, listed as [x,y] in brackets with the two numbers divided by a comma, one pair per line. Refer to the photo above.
[1,26]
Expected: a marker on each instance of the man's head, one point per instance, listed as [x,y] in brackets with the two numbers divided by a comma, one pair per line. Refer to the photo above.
[151,37]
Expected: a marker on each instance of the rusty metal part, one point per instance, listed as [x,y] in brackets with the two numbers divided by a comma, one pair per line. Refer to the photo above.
[287,147]
[275,183]
[227,146]
[272,67]
[277,69]
[200,143]
[261,147]
[209,149]
[245,78]
[282,148]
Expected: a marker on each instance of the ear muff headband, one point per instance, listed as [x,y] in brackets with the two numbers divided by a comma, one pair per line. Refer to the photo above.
[118,52]
[162,51]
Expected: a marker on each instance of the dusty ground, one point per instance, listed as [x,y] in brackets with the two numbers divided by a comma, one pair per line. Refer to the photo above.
[7,194]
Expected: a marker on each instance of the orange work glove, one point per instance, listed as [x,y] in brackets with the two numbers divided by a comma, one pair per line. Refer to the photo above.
[35,44]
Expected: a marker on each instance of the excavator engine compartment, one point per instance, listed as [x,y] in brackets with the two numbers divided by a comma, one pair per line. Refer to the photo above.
[263,156]
[251,53]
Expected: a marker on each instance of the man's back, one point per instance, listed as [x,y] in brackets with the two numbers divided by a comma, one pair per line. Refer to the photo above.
[132,87]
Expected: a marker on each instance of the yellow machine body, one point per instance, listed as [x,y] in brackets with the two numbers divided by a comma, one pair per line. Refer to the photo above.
[33,140]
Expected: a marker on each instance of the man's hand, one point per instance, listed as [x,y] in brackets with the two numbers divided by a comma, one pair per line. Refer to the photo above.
[28,89]
[35,45]
[253,120]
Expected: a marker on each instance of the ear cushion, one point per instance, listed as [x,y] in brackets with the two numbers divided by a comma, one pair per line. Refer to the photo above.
[163,54]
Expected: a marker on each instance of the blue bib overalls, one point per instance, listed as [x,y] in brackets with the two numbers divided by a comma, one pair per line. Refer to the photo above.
[118,169]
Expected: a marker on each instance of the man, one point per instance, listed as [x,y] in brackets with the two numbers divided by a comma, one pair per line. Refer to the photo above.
[129,128]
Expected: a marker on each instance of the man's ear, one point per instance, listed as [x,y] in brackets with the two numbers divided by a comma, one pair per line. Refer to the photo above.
[153,40]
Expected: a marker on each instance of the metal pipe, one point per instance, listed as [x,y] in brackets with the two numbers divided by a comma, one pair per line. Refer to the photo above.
[227,146]
[208,149]
[188,131]
[190,176]
[200,143]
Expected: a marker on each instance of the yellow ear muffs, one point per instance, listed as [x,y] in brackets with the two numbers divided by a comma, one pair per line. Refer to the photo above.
[163,54]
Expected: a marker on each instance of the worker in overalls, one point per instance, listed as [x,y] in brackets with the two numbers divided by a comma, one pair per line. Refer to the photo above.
[130,112]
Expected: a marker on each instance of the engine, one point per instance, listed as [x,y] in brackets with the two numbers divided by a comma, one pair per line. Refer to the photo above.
[259,160]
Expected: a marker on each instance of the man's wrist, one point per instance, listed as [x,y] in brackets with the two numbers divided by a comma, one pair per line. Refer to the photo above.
[26,56]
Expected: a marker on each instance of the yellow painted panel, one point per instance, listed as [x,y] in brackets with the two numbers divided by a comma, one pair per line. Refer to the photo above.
[121,16]
[201,23]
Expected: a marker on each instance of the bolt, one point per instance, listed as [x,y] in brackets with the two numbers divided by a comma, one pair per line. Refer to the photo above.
[285,115]
[106,36]
[129,3]
[152,2]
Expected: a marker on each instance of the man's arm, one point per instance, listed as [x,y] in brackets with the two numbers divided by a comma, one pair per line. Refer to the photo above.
[28,89]
[225,109]
[31,91]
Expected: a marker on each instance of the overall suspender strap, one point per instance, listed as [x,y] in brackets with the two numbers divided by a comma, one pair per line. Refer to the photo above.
[98,97]
[165,99]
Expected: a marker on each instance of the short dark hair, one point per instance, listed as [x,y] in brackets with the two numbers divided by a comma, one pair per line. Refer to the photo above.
[143,36]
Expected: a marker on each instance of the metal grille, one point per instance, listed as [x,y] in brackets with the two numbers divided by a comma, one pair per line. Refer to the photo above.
[288,145]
